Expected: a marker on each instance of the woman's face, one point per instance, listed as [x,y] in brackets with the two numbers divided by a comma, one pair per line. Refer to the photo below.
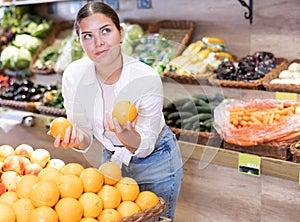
[100,38]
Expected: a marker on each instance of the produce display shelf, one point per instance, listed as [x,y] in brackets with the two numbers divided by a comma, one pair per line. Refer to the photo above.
[179,31]
[229,158]
[256,84]
[48,41]
[280,87]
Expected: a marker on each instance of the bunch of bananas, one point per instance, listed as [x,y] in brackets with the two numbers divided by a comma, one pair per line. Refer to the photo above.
[200,57]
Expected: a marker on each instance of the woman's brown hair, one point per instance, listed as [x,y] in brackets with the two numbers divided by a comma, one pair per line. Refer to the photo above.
[93,8]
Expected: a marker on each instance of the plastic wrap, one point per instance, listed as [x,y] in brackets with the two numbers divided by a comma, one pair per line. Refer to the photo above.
[262,121]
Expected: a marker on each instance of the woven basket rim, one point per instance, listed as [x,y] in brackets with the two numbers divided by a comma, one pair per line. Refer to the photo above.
[179,25]
[278,150]
[50,110]
[294,150]
[280,87]
[49,40]
[191,132]
[197,79]
[148,213]
[247,85]
[20,105]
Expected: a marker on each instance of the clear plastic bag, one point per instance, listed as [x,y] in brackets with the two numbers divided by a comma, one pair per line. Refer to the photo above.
[272,121]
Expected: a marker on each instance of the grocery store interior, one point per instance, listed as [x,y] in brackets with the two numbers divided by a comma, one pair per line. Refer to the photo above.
[212,188]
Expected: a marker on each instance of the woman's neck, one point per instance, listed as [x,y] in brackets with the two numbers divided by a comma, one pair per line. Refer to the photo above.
[109,73]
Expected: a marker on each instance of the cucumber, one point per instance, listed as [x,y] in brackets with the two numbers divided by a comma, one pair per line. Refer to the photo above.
[208,123]
[173,116]
[189,106]
[219,97]
[198,118]
[187,126]
[181,101]
[179,115]
[204,97]
[201,102]
[169,107]
[178,123]
[170,122]
[204,109]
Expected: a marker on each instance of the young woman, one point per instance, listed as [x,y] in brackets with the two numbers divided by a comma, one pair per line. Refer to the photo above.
[146,149]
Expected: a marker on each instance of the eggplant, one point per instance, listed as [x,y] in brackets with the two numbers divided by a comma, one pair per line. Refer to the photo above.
[34,90]
[26,82]
[51,87]
[22,90]
[7,95]
[20,97]
[36,97]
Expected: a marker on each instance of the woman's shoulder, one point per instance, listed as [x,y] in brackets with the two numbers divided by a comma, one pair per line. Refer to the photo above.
[78,67]
[135,65]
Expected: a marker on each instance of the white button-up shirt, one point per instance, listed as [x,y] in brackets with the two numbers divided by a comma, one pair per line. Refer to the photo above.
[138,83]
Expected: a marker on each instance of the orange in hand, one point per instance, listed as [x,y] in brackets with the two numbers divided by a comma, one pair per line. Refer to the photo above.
[59,126]
[124,111]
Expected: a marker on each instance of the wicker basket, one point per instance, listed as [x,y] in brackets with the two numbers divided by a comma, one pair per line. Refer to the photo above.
[272,149]
[49,40]
[180,31]
[201,79]
[295,152]
[280,87]
[148,215]
[18,105]
[203,138]
[50,111]
[256,84]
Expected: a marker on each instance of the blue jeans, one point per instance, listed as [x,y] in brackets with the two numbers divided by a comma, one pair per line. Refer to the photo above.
[160,172]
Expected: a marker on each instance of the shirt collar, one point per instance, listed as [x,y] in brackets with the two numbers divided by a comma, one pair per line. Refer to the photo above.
[90,75]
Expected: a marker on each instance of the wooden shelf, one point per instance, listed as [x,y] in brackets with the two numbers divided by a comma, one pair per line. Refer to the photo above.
[207,154]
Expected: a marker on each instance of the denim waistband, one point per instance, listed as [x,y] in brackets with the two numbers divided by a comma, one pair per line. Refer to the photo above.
[165,130]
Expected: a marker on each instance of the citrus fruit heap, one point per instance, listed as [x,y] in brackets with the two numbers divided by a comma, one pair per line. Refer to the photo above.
[124,111]
[59,126]
[68,192]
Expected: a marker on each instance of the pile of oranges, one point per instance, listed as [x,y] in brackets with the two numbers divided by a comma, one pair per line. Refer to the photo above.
[70,192]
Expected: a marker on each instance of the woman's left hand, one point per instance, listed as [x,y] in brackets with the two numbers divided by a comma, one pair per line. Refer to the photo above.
[126,134]
[114,125]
